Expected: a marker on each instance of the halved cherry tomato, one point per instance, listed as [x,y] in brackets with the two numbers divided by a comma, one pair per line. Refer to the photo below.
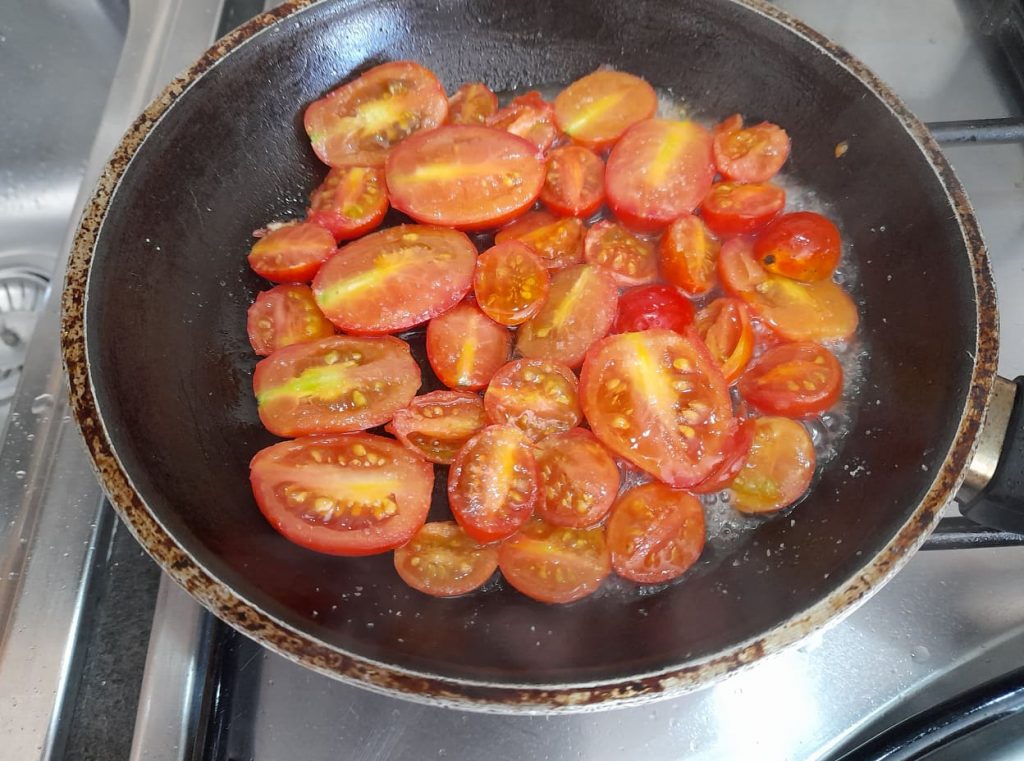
[657,400]
[724,325]
[438,424]
[801,245]
[355,494]
[395,278]
[530,117]
[472,178]
[752,154]
[653,306]
[778,469]
[539,397]
[334,385]
[596,110]
[443,561]
[466,347]
[472,103]
[578,479]
[658,171]
[795,380]
[687,255]
[285,315]
[736,453]
[655,533]
[580,309]
[511,283]
[555,564]
[492,485]
[291,253]
[629,259]
[733,208]
[357,123]
[557,241]
[818,311]
[574,185]
[350,201]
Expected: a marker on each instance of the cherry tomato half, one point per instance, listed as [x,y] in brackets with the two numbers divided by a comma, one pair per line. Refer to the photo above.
[596,110]
[630,260]
[511,283]
[802,245]
[443,561]
[687,255]
[437,425]
[285,315]
[574,185]
[537,396]
[724,326]
[778,469]
[795,380]
[557,241]
[473,103]
[579,479]
[653,306]
[736,453]
[530,117]
[733,208]
[350,201]
[751,154]
[291,253]
[466,347]
[555,564]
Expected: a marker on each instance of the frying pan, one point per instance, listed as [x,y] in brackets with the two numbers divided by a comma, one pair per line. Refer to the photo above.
[160,367]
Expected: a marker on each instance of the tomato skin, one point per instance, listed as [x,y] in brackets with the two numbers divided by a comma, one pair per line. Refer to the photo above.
[557,241]
[751,154]
[537,396]
[579,479]
[802,245]
[308,490]
[574,184]
[466,348]
[553,564]
[736,453]
[733,208]
[350,201]
[687,254]
[796,380]
[653,306]
[530,117]
[472,103]
[724,326]
[443,561]
[449,418]
[285,315]
[778,470]
[597,109]
[291,253]
[629,259]
[510,283]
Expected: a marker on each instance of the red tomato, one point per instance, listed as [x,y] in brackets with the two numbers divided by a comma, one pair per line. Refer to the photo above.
[437,425]
[466,347]
[802,245]
[472,178]
[343,495]
[736,452]
[357,123]
[818,311]
[530,117]
[492,485]
[628,259]
[557,241]
[658,171]
[511,283]
[655,533]
[653,306]
[554,564]
[285,315]
[580,309]
[535,395]
[687,255]
[334,385]
[578,479]
[443,561]
[754,154]
[778,469]
[733,208]
[350,201]
[291,253]
[395,278]
[596,110]
[795,380]
[657,400]
[574,185]
[724,325]
[473,103]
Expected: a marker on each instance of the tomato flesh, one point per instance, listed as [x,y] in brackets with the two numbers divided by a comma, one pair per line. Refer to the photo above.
[751,154]
[511,283]
[291,253]
[537,396]
[530,117]
[557,241]
[437,425]
[350,201]
[733,208]
[802,245]
[778,469]
[555,564]
[724,326]
[466,347]
[596,110]
[285,315]
[795,380]
[578,479]
[653,306]
[574,185]
[629,259]
[443,561]
[736,453]
[687,255]
[473,103]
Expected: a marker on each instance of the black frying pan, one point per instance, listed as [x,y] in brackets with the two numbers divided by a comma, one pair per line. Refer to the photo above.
[160,366]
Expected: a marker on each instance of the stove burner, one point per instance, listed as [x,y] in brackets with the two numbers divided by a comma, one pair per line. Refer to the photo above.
[22,295]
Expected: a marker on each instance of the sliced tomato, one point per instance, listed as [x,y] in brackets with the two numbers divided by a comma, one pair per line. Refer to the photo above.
[655,533]
[555,564]
[437,425]
[653,306]
[334,385]
[802,245]
[355,494]
[530,117]
[580,309]
[735,457]
[687,255]
[511,283]
[657,399]
[734,208]
[751,154]
[443,561]
[539,397]
[473,103]
[350,201]
[596,110]
[779,467]
[285,315]
[629,259]
[795,380]
[574,185]
[466,347]
[468,177]
[818,311]
[658,171]
[492,485]
[557,241]
[725,327]
[395,278]
[578,479]
[291,253]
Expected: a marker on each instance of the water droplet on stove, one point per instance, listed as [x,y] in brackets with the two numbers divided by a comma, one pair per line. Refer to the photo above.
[42,403]
[920,653]
[20,474]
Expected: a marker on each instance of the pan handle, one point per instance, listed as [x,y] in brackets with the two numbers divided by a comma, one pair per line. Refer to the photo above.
[993,490]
